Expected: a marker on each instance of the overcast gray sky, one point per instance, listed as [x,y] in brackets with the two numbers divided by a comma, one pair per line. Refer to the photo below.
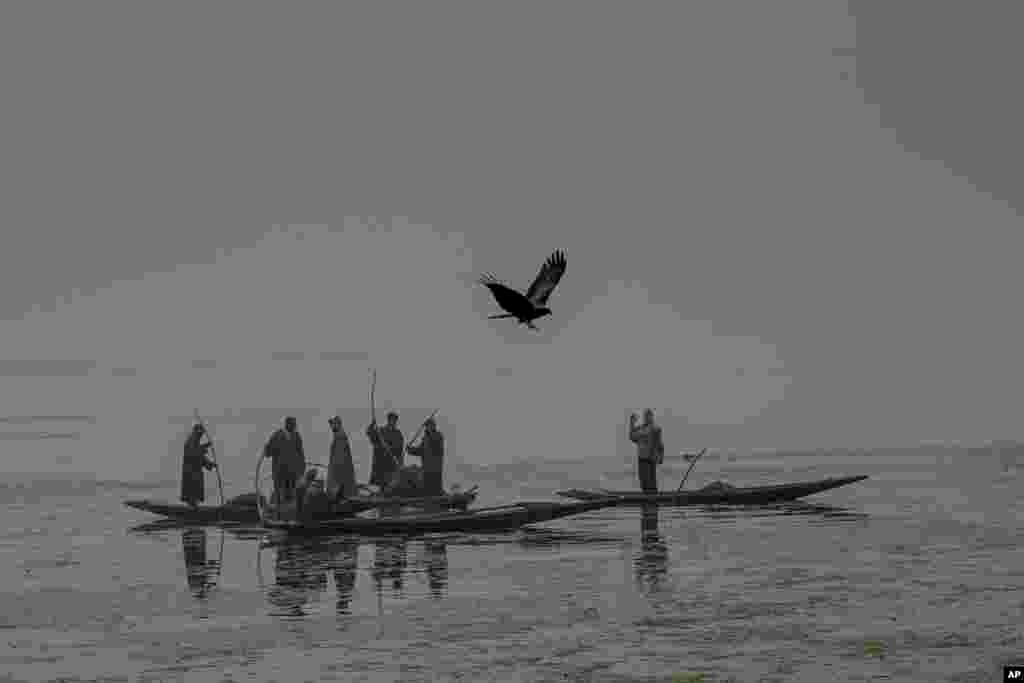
[787,224]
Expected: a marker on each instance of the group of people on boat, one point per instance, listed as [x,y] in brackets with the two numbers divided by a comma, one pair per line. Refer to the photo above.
[295,483]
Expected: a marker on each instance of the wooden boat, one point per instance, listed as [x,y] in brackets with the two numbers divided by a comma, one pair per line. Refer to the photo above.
[500,518]
[243,509]
[716,494]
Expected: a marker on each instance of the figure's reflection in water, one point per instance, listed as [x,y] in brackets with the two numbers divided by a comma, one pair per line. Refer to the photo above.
[651,564]
[436,561]
[202,574]
[389,562]
[346,563]
[301,571]
[300,575]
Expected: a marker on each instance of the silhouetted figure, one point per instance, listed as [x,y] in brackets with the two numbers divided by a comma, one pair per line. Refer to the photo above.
[388,443]
[652,563]
[341,472]
[288,460]
[346,563]
[528,307]
[437,567]
[650,449]
[193,462]
[430,451]
[200,573]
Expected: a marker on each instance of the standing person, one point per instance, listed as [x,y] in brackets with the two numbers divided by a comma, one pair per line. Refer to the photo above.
[288,459]
[430,451]
[193,462]
[388,444]
[341,473]
[650,449]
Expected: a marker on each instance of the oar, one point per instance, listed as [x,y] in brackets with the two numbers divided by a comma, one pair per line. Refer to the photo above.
[373,419]
[422,425]
[213,450]
[694,462]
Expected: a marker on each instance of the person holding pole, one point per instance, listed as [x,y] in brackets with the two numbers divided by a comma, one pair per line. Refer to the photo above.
[430,451]
[193,462]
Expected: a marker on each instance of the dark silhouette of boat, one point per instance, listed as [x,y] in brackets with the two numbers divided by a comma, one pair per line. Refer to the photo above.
[716,494]
[242,509]
[499,518]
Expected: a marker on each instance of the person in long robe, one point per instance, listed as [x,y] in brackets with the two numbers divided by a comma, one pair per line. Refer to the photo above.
[341,472]
[430,451]
[388,449]
[288,459]
[650,449]
[193,462]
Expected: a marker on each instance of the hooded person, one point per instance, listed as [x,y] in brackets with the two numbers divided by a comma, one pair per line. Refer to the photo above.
[193,462]
[341,473]
[288,459]
[430,451]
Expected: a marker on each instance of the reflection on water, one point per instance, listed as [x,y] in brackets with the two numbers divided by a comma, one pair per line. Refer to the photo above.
[389,562]
[202,574]
[346,564]
[161,527]
[300,575]
[301,570]
[651,564]
[436,561]
[794,508]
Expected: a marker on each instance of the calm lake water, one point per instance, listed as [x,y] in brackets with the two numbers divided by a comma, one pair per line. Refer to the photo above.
[916,574]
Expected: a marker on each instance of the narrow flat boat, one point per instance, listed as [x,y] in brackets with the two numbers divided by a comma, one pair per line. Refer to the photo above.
[500,518]
[243,509]
[716,494]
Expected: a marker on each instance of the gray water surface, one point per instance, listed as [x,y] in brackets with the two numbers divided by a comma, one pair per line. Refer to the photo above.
[916,574]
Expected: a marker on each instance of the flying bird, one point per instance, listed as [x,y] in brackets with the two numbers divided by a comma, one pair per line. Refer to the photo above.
[527,307]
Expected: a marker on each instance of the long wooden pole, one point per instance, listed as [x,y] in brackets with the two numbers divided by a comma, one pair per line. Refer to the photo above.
[373,420]
[422,425]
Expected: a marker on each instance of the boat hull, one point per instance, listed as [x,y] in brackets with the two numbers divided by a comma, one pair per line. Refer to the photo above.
[501,518]
[753,495]
[249,514]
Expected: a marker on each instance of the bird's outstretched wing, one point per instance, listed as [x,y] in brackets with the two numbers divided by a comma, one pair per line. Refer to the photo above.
[508,298]
[550,273]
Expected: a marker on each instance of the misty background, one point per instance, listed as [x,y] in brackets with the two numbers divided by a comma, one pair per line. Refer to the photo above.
[787,226]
